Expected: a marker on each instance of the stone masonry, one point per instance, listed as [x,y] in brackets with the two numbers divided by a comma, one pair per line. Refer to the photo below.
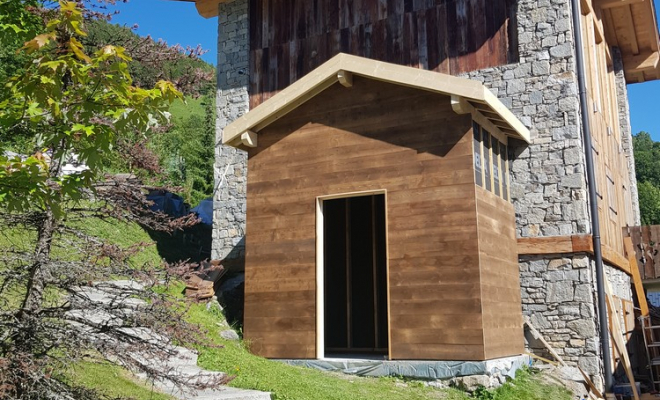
[559,295]
[232,101]
[548,181]
[626,131]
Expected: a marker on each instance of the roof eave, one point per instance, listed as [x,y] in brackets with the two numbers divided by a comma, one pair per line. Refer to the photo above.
[631,26]
[206,8]
[337,68]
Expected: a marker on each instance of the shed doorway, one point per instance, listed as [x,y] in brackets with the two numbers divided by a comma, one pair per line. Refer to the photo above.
[355,312]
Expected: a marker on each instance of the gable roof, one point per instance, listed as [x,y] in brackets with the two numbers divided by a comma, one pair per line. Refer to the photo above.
[467,96]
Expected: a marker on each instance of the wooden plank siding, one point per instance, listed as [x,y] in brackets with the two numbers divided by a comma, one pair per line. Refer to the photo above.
[611,165]
[378,136]
[500,276]
[289,38]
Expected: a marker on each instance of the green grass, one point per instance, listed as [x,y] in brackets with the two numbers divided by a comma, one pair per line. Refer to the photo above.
[113,381]
[181,110]
[527,386]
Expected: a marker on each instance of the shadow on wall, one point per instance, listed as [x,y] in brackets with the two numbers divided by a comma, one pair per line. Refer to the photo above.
[235,260]
[231,291]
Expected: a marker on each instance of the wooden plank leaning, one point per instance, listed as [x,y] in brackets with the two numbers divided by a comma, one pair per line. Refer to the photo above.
[537,335]
[637,279]
[617,337]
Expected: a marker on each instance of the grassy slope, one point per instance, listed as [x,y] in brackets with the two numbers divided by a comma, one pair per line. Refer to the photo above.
[181,110]
[113,381]
[106,378]
[252,372]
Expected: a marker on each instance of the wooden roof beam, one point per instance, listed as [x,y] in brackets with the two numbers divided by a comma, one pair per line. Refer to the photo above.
[249,139]
[345,78]
[206,8]
[629,27]
[616,3]
[586,7]
[641,62]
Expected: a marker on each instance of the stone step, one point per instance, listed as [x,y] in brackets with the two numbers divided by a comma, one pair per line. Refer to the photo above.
[98,296]
[182,362]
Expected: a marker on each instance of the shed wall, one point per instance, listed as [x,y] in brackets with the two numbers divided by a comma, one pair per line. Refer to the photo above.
[369,137]
[500,277]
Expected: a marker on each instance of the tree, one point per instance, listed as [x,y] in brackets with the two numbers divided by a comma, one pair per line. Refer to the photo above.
[647,169]
[187,153]
[649,203]
[87,105]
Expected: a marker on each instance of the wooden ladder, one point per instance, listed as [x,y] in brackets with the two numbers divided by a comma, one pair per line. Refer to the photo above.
[652,346]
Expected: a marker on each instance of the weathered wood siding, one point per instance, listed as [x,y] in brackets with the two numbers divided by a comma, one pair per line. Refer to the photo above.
[289,38]
[372,136]
[500,276]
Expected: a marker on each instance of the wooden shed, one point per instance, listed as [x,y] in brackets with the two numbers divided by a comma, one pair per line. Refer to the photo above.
[378,217]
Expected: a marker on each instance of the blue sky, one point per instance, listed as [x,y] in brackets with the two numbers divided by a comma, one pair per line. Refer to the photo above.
[178,22]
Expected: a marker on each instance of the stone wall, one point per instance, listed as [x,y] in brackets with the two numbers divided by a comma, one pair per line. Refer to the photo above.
[232,101]
[559,295]
[626,131]
[548,182]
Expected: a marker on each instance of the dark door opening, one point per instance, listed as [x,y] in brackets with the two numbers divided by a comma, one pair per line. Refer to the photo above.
[355,276]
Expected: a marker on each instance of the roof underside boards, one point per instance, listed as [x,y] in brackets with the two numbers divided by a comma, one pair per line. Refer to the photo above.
[467,96]
[631,26]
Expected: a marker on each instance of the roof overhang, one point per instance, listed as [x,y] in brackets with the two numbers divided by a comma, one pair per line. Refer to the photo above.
[631,26]
[206,8]
[467,96]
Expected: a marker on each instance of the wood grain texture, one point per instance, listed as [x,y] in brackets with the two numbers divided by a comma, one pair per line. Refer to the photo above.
[289,38]
[348,140]
[569,245]
[500,281]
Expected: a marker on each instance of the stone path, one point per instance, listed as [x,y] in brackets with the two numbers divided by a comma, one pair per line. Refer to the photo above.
[182,362]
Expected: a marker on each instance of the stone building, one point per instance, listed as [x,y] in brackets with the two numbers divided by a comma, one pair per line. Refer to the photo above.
[524,51]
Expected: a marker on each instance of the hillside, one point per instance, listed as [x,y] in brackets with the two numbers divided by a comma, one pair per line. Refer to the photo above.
[154,60]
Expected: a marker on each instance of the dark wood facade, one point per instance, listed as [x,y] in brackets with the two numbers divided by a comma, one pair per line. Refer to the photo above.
[289,38]
[453,285]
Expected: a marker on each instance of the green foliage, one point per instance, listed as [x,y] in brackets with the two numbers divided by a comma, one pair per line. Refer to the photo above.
[483,394]
[17,25]
[186,151]
[647,158]
[649,203]
[529,386]
[152,61]
[75,103]
[647,169]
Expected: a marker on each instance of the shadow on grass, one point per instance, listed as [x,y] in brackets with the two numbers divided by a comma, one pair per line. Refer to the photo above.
[192,244]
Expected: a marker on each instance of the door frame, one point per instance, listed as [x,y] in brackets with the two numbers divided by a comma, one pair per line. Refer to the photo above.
[320,257]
